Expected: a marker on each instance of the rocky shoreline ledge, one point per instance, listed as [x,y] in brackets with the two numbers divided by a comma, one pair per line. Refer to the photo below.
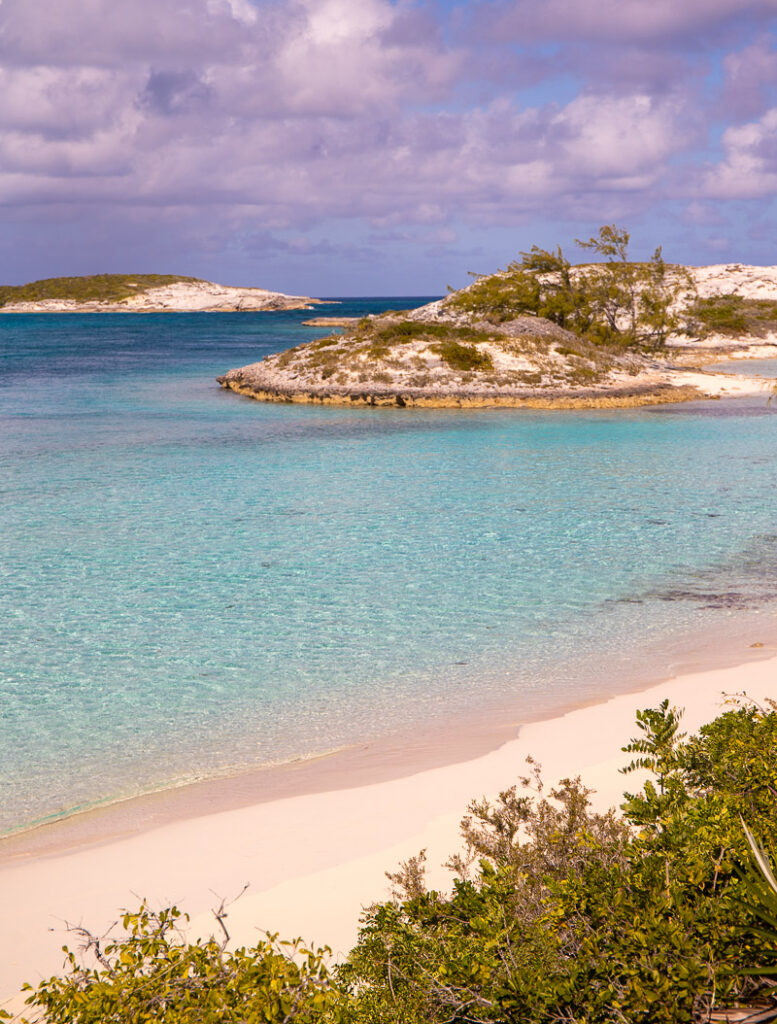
[244,382]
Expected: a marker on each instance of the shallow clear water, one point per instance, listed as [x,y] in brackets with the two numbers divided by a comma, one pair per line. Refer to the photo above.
[749,367]
[193,582]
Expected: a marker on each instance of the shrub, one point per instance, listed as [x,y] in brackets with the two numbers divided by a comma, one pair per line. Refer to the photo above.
[556,914]
[464,357]
[732,316]
[573,916]
[151,974]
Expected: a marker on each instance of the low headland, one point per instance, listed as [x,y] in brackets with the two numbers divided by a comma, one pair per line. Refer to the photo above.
[542,334]
[142,293]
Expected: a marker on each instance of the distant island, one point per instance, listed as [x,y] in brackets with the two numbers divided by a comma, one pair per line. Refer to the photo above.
[542,333]
[141,293]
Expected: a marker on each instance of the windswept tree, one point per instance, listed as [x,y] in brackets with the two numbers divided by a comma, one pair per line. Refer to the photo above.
[612,302]
[631,302]
[542,283]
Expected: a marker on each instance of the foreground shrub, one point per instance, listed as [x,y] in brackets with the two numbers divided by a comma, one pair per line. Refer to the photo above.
[557,913]
[575,916]
[151,974]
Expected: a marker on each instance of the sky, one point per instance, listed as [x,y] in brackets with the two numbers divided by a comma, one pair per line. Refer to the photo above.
[371,147]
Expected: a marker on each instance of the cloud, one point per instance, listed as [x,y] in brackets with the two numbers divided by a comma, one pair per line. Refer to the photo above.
[703,213]
[349,138]
[620,21]
[749,169]
[174,92]
[619,141]
[105,34]
[749,74]
[55,103]
[263,119]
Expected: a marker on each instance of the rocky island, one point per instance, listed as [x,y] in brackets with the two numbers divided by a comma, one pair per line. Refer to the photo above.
[543,334]
[141,293]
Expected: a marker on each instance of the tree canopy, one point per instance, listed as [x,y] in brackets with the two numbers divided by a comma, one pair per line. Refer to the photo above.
[610,301]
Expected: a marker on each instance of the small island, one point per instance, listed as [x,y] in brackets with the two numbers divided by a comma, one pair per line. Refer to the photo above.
[141,293]
[544,334]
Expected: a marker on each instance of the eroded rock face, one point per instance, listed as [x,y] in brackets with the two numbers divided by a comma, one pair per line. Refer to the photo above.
[180,297]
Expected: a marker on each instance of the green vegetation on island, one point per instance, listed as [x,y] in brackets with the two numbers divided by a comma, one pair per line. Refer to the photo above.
[540,332]
[385,339]
[733,316]
[92,288]
[612,302]
[658,915]
[419,353]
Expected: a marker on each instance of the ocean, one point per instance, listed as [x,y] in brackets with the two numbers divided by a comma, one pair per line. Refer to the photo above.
[194,583]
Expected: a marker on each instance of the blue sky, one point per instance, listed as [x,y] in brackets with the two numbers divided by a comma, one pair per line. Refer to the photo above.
[369,147]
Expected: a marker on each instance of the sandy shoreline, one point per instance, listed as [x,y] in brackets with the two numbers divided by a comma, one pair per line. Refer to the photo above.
[264,382]
[313,859]
[463,735]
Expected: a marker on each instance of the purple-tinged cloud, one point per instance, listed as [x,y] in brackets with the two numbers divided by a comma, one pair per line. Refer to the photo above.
[230,122]
[751,74]
[619,21]
[749,170]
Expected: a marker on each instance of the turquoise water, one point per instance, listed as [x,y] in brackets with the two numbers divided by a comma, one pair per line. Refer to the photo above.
[193,582]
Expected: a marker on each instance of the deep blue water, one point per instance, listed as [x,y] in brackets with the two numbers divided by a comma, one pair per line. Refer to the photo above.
[194,582]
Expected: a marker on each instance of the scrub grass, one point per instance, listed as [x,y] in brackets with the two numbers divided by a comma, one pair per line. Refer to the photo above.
[93,288]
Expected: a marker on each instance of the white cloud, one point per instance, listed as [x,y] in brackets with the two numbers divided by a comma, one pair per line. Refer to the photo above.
[623,139]
[749,169]
[286,113]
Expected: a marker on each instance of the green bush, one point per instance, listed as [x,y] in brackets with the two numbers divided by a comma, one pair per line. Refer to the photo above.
[390,331]
[573,916]
[152,976]
[732,316]
[464,357]
[393,330]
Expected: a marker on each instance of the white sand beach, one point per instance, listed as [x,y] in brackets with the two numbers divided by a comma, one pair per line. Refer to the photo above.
[313,860]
